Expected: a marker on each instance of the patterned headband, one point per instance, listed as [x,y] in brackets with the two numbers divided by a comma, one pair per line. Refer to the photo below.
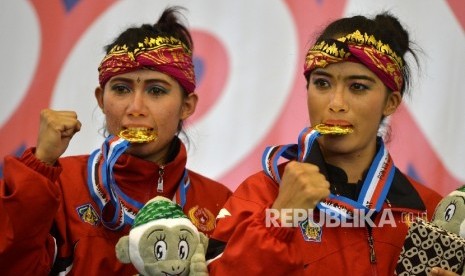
[362,48]
[165,54]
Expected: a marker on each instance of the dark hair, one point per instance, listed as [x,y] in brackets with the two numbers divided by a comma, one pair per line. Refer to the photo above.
[169,24]
[384,27]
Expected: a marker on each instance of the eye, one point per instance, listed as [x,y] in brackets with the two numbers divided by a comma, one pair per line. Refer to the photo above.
[320,82]
[183,250]
[157,90]
[450,211]
[120,88]
[160,250]
[359,87]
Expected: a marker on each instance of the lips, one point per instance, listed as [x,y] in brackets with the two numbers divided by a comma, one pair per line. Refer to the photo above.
[333,122]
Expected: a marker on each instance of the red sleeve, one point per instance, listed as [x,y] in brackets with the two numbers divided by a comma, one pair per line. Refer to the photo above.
[29,200]
[252,247]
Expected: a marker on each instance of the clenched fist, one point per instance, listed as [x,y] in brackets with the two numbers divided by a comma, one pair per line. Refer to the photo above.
[302,187]
[55,131]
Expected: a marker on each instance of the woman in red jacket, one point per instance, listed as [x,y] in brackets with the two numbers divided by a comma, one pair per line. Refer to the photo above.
[65,214]
[339,206]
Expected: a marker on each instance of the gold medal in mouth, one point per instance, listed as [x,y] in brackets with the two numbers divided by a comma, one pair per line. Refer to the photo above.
[333,129]
[138,135]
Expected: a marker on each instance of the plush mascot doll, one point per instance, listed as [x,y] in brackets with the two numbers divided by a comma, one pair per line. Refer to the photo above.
[440,242]
[163,241]
[450,212]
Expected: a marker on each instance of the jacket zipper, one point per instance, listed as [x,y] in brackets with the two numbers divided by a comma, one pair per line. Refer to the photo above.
[161,172]
[371,244]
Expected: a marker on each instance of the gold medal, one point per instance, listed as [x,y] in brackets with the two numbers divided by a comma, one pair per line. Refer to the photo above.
[138,135]
[333,129]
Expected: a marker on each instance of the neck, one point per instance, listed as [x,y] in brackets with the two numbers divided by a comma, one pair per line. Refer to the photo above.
[354,164]
[160,157]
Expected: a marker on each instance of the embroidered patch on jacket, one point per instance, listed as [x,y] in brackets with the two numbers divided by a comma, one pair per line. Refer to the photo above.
[88,214]
[311,231]
[202,218]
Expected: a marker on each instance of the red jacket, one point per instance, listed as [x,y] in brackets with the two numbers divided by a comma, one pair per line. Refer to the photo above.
[243,245]
[48,218]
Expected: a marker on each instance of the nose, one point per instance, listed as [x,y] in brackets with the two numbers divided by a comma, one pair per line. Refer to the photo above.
[338,102]
[137,105]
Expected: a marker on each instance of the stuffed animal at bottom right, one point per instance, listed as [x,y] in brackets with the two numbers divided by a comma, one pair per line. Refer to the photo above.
[450,212]
[439,242]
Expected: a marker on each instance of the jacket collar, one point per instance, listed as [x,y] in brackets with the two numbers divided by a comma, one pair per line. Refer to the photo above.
[139,177]
[401,194]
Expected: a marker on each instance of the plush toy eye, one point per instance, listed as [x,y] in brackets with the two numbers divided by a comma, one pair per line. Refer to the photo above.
[183,250]
[160,250]
[450,211]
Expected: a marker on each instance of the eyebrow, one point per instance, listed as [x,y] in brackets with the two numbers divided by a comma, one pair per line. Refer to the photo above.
[123,79]
[350,77]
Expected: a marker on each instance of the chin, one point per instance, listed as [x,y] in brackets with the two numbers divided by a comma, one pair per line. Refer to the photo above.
[336,144]
[139,150]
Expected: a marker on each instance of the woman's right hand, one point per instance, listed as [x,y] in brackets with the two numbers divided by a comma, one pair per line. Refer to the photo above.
[55,132]
[302,187]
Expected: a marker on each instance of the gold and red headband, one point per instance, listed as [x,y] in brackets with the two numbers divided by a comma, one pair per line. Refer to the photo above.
[164,54]
[362,48]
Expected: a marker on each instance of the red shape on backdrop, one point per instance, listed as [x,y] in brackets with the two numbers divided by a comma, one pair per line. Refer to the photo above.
[309,16]
[214,57]
[60,31]
[458,8]
[410,147]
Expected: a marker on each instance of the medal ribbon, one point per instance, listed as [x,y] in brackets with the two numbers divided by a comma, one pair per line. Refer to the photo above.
[116,208]
[375,186]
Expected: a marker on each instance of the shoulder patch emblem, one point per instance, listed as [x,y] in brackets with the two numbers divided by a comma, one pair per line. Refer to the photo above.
[88,214]
[202,218]
[311,231]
